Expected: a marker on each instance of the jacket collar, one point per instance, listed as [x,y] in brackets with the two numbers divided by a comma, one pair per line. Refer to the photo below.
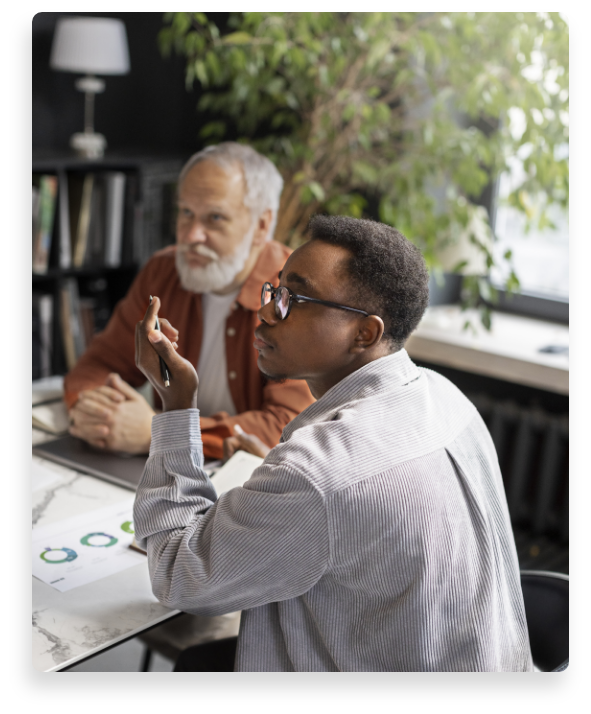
[383,375]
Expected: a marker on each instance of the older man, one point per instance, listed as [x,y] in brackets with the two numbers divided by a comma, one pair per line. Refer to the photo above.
[209,286]
[376,535]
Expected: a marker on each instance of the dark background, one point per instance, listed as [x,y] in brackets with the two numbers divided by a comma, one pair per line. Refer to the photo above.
[147,110]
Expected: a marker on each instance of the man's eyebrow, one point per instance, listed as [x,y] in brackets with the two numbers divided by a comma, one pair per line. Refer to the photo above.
[299,279]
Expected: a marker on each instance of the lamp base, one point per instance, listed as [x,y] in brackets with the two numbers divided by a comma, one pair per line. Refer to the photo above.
[88,145]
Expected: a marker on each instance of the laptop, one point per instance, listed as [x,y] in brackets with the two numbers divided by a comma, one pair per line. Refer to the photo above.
[124,470]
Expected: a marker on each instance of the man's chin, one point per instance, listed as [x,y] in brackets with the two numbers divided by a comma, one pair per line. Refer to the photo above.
[269,375]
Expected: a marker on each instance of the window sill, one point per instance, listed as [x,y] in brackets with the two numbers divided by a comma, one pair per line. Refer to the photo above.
[510,351]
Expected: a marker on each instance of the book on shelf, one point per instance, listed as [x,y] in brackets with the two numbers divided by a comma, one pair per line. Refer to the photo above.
[97,214]
[36,339]
[83,221]
[95,247]
[114,216]
[65,236]
[42,335]
[36,211]
[42,239]
[79,317]
[46,319]
[71,322]
[87,310]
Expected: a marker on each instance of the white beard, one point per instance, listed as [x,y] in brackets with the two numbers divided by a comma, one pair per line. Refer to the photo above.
[216,275]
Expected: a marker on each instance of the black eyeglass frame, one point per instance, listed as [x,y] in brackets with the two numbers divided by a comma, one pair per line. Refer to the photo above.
[268,287]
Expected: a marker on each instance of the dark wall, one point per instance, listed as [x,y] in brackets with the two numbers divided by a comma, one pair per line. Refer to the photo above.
[148,110]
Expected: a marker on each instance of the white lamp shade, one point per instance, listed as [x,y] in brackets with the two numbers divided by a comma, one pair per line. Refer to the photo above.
[90,45]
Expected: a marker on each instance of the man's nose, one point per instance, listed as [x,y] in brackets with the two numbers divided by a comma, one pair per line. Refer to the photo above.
[194,234]
[267,314]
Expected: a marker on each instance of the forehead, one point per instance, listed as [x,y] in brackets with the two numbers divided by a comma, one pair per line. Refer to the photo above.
[209,182]
[319,267]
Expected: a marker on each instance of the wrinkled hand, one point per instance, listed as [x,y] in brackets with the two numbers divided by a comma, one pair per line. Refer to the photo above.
[150,344]
[113,417]
[241,441]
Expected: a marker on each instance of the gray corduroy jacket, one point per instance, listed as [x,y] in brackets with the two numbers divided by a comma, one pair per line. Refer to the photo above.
[374,537]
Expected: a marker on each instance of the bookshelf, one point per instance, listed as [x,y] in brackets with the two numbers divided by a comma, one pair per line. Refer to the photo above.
[95,223]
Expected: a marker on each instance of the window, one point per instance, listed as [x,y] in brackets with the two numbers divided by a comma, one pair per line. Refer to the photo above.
[540,257]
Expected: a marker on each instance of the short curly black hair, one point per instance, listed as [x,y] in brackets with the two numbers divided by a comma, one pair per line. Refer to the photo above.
[387,271]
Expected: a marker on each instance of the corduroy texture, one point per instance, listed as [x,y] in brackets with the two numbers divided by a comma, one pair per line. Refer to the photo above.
[375,537]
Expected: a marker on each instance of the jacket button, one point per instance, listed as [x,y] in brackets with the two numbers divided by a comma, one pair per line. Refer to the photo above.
[231,331]
[232,375]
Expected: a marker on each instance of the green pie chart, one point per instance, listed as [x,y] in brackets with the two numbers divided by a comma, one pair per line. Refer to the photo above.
[68,552]
[90,537]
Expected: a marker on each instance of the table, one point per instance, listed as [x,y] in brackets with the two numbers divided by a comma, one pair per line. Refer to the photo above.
[72,626]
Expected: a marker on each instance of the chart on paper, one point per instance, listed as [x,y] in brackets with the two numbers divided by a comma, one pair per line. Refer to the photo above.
[85,548]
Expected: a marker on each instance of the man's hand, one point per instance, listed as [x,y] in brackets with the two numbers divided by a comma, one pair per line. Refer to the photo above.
[241,441]
[150,344]
[113,417]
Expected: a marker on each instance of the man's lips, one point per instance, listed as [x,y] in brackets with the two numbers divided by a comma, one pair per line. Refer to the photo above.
[259,343]
[196,261]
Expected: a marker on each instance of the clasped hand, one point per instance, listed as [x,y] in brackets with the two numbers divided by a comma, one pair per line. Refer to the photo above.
[150,344]
[113,417]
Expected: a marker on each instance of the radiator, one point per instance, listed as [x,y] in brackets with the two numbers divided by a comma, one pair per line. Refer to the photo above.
[532,446]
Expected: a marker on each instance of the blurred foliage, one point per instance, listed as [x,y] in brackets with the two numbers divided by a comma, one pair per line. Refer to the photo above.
[405,112]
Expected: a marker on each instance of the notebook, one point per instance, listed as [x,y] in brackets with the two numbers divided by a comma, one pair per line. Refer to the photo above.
[49,411]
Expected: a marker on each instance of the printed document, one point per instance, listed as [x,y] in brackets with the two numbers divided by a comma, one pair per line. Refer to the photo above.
[86,547]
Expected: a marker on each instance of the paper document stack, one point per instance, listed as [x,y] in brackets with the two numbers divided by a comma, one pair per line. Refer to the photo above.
[49,411]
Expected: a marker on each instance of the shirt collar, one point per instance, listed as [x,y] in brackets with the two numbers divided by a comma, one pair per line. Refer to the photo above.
[382,375]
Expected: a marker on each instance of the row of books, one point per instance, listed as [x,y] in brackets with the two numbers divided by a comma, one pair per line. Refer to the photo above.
[84,213]
[73,322]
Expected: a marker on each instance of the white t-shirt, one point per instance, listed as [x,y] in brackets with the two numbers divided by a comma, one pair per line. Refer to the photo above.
[214,392]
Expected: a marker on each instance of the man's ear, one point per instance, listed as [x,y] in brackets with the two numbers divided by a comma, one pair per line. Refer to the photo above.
[370,332]
[262,228]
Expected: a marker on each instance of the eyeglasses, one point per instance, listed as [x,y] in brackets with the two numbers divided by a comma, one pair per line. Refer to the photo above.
[284,298]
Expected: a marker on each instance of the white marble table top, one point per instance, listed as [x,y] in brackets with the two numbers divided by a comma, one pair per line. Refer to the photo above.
[71,626]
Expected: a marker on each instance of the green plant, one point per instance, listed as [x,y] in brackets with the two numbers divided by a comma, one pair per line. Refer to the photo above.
[401,115]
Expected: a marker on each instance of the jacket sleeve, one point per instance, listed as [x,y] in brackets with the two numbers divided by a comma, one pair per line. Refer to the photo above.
[264,542]
[113,349]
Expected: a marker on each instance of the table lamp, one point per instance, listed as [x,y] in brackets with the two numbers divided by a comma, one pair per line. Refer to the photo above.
[89,46]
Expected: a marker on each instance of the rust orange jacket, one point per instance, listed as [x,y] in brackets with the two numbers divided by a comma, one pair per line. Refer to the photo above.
[263,408]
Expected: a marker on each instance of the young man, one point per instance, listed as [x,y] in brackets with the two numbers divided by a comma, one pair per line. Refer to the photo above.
[376,535]
[209,285]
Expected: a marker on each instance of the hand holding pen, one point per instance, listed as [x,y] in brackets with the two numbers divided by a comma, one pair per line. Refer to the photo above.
[157,357]
[163,367]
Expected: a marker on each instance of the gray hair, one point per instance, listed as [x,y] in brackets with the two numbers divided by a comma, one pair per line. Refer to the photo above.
[263,181]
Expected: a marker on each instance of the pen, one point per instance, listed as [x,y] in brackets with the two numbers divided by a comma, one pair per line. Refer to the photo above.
[165,374]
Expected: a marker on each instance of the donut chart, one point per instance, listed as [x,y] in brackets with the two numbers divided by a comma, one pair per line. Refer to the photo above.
[127,527]
[86,540]
[70,555]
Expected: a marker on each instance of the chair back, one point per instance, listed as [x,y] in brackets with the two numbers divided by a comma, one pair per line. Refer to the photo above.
[545,595]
